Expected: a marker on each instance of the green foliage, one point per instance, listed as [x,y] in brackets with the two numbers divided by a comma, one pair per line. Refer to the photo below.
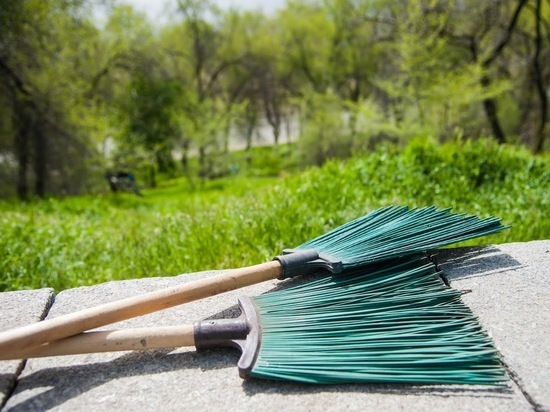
[45,70]
[239,221]
[342,75]
[325,134]
[267,161]
[148,121]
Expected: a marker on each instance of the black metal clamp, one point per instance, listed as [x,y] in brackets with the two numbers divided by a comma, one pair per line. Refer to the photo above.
[306,261]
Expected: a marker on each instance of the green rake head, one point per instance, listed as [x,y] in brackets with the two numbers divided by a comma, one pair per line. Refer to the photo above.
[385,234]
[400,323]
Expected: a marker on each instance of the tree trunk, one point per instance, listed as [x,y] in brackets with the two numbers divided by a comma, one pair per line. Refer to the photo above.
[185,156]
[227,135]
[22,148]
[203,167]
[22,167]
[490,106]
[540,133]
[276,134]
[249,133]
[40,161]
[152,176]
[288,121]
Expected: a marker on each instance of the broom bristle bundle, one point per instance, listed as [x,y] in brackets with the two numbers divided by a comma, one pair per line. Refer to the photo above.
[397,231]
[397,324]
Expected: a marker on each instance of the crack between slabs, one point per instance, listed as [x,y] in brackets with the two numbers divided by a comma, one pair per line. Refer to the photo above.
[517,380]
[23,363]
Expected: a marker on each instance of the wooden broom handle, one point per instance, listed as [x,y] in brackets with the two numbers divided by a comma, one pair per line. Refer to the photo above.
[112,341]
[20,339]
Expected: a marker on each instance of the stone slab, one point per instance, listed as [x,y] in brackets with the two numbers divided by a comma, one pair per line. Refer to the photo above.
[510,294]
[17,309]
[183,379]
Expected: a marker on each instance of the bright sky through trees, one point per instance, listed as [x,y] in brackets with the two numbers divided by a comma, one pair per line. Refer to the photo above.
[155,8]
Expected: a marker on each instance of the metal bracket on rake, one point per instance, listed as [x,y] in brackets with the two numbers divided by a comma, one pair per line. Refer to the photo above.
[243,333]
[303,262]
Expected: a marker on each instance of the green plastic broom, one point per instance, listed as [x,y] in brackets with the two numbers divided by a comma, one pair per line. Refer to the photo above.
[400,323]
[382,235]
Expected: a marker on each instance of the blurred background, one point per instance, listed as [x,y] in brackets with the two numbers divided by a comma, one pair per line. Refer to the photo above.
[87,86]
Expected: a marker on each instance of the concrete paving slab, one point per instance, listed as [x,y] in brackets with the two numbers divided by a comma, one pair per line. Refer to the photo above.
[183,379]
[510,296]
[17,309]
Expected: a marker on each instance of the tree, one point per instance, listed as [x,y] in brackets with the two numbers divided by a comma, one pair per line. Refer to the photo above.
[196,61]
[130,76]
[538,75]
[307,34]
[354,72]
[485,31]
[40,67]
[148,121]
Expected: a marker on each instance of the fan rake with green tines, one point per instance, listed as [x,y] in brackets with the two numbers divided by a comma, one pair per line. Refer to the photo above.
[398,231]
[382,235]
[398,323]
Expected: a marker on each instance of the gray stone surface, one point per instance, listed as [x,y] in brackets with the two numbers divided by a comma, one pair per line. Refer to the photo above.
[18,309]
[509,294]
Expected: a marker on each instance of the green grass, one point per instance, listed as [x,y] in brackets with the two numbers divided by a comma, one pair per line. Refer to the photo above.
[238,221]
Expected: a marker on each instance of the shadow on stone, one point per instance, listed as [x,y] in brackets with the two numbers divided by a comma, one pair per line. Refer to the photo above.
[253,387]
[67,382]
[471,262]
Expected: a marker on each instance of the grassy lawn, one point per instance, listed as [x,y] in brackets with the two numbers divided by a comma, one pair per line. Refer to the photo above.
[250,217]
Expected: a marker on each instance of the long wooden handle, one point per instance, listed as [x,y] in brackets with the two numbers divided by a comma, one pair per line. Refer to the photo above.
[17,340]
[112,341]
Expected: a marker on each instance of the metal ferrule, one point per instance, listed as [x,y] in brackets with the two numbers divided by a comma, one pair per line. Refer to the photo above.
[307,261]
[243,333]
